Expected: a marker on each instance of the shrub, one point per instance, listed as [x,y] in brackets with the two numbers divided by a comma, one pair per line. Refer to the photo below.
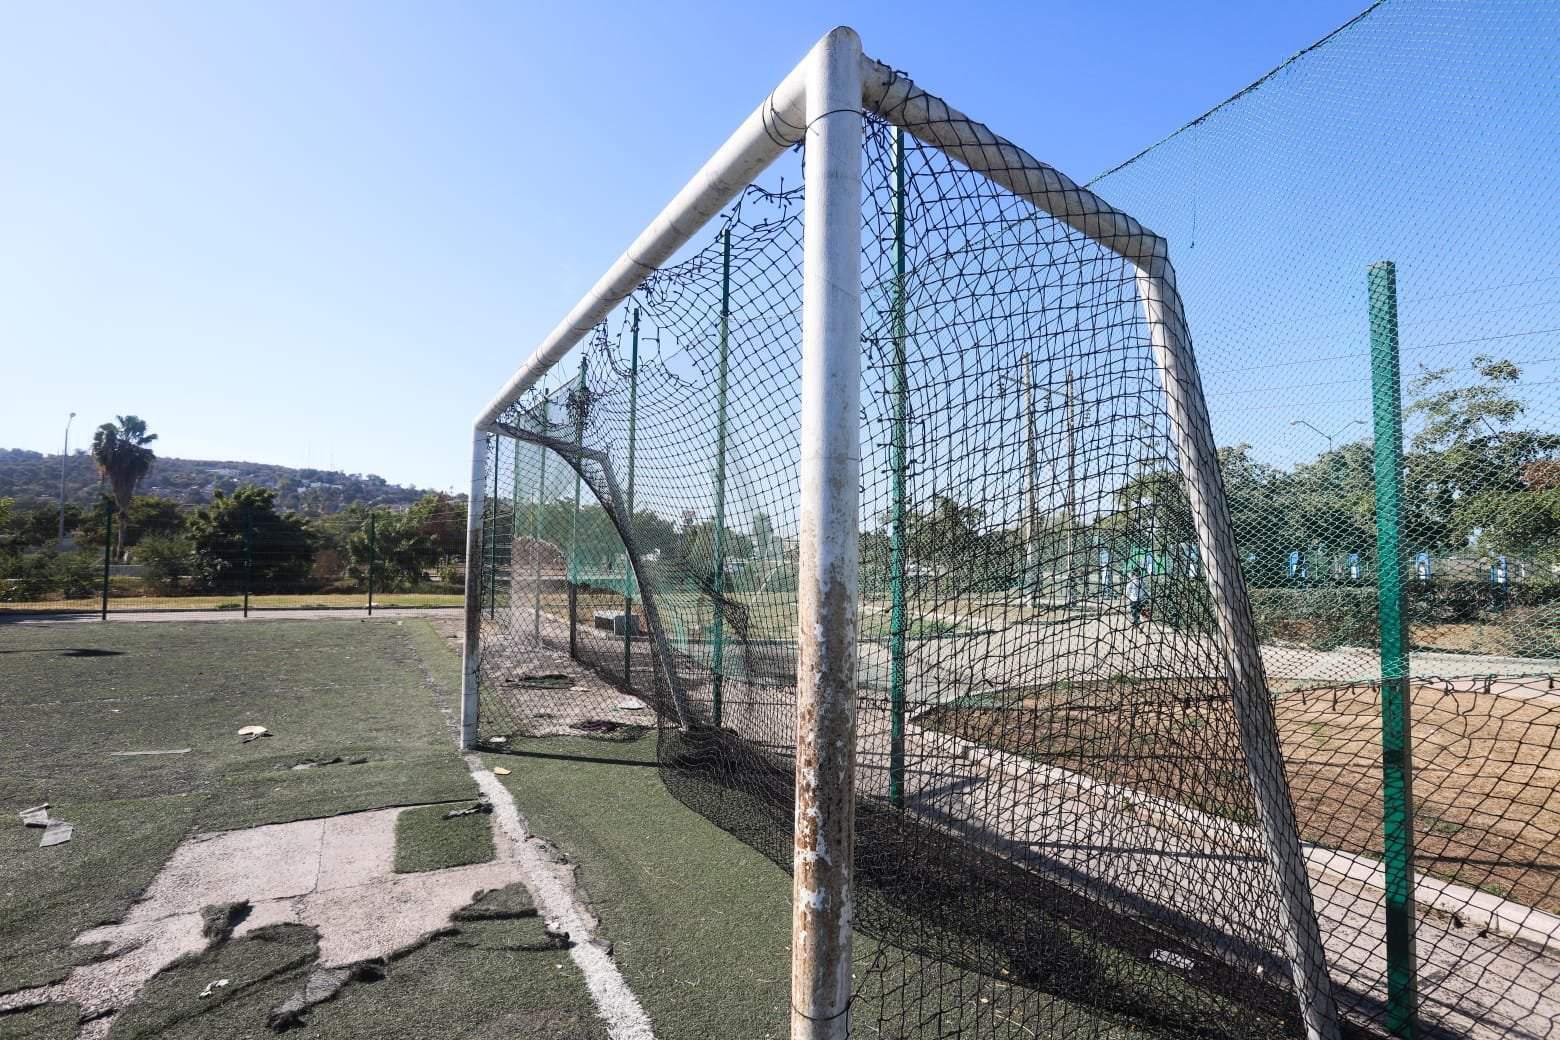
[168,559]
[26,577]
[1322,618]
[78,574]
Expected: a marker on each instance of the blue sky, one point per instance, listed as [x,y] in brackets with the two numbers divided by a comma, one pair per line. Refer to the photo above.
[324,234]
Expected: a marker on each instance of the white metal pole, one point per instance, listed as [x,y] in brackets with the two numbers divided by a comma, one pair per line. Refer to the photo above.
[472,654]
[830,490]
[1199,464]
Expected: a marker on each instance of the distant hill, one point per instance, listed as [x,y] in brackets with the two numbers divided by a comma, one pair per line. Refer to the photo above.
[33,479]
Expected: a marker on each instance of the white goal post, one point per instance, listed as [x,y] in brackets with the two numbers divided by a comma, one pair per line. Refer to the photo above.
[823,102]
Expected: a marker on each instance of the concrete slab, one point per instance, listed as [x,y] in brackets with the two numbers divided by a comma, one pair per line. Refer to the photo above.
[356,848]
[271,862]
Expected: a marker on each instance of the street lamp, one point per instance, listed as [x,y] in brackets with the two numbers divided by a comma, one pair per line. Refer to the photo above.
[1336,433]
[64,457]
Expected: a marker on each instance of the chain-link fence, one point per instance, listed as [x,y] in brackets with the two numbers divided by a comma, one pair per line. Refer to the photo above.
[240,553]
[1056,833]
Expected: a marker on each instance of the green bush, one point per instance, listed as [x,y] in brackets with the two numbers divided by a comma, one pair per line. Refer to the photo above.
[1322,618]
[168,559]
[78,574]
[26,577]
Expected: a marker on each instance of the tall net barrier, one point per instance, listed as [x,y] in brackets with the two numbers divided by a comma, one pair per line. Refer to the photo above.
[1427,134]
[1056,831]
[1056,827]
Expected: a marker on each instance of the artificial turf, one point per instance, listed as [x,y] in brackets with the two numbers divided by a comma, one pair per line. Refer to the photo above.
[51,1022]
[428,838]
[74,694]
[700,923]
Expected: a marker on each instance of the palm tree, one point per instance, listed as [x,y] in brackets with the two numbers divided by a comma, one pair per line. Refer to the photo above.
[121,453]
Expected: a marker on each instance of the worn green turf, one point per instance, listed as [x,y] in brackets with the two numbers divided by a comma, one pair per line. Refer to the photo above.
[426,840]
[491,978]
[72,694]
[700,923]
[53,1022]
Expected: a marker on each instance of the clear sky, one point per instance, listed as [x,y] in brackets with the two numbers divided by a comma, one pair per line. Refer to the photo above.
[325,234]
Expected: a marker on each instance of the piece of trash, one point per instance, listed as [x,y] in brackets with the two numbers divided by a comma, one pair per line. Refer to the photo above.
[37,816]
[498,740]
[470,810]
[132,754]
[555,931]
[596,725]
[212,986]
[1175,960]
[631,704]
[249,733]
[500,771]
[58,832]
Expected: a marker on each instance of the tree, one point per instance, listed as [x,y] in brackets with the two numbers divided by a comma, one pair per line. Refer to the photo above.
[149,515]
[278,543]
[441,519]
[122,456]
[1470,470]
[401,552]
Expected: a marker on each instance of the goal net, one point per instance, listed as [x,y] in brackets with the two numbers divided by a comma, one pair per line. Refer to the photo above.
[1052,758]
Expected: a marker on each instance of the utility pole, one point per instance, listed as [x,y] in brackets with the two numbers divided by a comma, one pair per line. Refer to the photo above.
[1031,485]
[1072,485]
[64,457]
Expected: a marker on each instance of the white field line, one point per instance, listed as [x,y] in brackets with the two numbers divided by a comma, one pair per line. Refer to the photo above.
[552,887]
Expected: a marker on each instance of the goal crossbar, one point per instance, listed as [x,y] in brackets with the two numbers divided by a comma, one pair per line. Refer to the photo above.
[822,102]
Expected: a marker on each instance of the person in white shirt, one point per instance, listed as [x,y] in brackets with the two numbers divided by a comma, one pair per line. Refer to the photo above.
[1137,596]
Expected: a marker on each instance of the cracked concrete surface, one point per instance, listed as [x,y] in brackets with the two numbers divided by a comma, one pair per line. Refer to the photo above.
[335,875]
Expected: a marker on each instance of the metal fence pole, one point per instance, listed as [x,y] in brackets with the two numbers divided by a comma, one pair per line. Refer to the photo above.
[108,548]
[898,620]
[536,522]
[249,556]
[574,518]
[370,563]
[1397,791]
[828,547]
[471,658]
[628,566]
[718,648]
[492,574]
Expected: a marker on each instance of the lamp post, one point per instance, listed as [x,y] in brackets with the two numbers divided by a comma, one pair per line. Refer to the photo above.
[64,457]
[1322,433]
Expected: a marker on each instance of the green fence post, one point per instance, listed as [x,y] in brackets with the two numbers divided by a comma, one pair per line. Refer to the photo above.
[1397,792]
[108,548]
[718,647]
[536,520]
[492,523]
[249,555]
[897,620]
[574,519]
[370,563]
[628,566]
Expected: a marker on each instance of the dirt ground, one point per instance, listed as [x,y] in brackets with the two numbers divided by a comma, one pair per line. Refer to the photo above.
[1486,765]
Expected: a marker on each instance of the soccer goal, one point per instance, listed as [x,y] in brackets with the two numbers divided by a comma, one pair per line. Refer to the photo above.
[878,469]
